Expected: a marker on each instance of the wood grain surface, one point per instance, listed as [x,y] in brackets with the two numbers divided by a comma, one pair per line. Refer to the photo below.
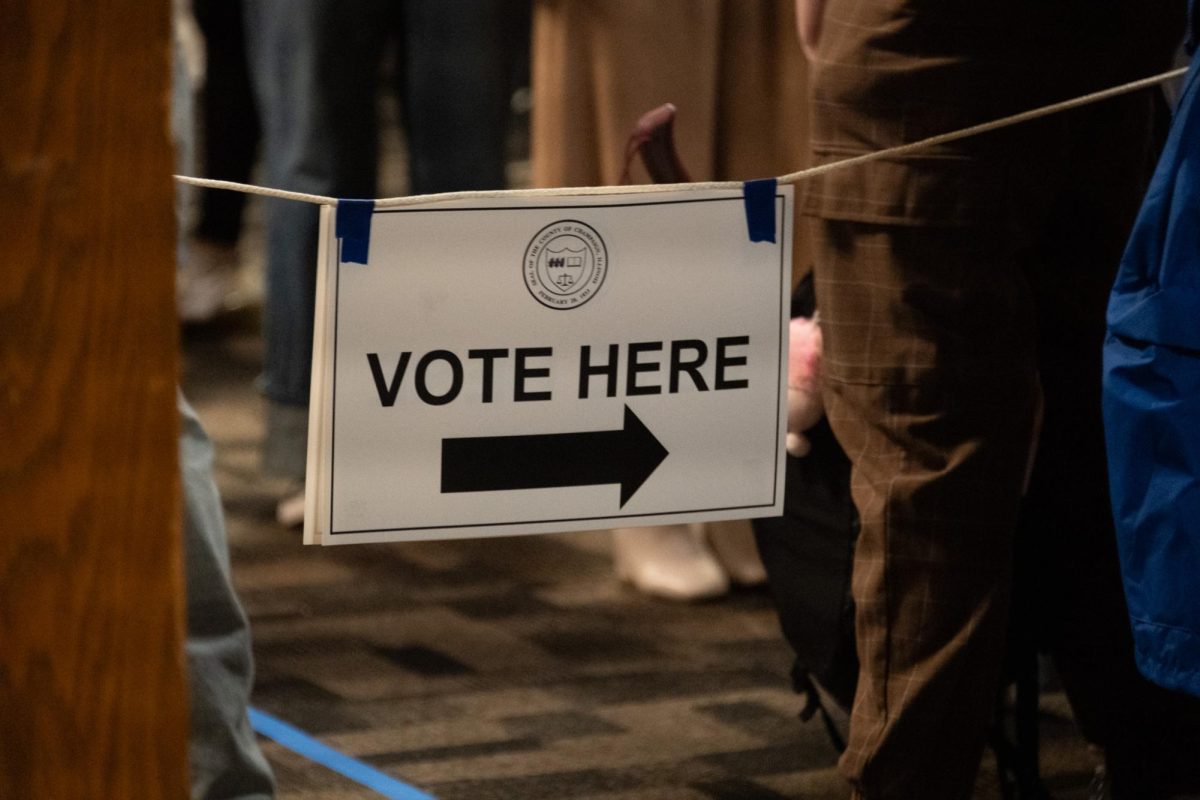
[92,694]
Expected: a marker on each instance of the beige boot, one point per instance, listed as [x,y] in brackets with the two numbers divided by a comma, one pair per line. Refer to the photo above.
[733,543]
[290,511]
[668,561]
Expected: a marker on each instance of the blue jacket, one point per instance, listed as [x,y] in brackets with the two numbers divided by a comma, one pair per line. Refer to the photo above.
[1152,409]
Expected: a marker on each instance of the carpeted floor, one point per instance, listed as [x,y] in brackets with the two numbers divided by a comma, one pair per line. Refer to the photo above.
[514,669]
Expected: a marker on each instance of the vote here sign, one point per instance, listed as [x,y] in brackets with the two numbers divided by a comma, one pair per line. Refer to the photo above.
[530,365]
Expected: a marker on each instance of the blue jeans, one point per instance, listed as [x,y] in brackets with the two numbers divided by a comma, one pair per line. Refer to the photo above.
[225,759]
[316,69]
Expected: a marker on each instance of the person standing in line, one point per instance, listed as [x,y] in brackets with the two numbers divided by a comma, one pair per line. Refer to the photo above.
[737,76]
[315,67]
[962,292]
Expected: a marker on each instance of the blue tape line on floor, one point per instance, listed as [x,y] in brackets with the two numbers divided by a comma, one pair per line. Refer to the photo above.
[300,742]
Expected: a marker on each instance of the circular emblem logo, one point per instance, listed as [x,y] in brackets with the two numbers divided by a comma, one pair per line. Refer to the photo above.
[565,264]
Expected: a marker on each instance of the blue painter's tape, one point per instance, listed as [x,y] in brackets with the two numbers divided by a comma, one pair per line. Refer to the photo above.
[301,743]
[759,197]
[353,228]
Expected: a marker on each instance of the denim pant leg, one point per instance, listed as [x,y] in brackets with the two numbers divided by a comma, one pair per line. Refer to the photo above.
[458,58]
[314,67]
[225,759]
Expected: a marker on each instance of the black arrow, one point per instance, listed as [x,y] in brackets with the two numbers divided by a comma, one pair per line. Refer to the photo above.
[549,460]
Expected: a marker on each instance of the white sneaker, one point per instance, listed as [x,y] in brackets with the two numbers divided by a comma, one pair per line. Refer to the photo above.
[290,511]
[668,561]
[206,278]
[733,543]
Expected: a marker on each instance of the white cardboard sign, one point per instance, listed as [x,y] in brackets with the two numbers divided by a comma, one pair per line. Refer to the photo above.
[531,365]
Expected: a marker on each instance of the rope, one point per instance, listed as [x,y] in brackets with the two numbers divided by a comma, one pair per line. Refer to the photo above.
[791,177]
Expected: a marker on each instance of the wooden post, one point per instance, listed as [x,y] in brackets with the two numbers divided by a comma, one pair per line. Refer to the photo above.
[92,692]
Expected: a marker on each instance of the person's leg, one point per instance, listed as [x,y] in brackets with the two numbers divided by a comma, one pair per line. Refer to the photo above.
[228,135]
[231,129]
[314,65]
[930,389]
[225,759]
[455,76]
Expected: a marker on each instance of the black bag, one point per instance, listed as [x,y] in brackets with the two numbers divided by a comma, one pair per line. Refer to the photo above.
[808,554]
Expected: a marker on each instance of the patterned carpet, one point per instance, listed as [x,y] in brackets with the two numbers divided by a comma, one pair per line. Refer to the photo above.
[515,669]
